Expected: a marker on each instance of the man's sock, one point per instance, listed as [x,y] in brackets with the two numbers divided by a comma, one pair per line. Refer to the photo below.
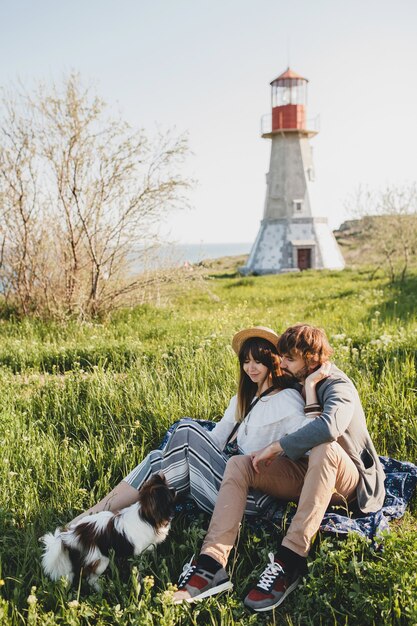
[208,563]
[293,561]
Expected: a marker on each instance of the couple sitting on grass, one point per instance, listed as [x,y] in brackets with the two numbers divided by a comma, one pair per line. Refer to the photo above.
[295,431]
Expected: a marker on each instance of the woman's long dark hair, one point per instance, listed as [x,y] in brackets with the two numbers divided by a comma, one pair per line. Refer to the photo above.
[266,353]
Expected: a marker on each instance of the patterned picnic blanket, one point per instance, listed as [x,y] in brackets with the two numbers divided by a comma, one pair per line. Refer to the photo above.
[400,484]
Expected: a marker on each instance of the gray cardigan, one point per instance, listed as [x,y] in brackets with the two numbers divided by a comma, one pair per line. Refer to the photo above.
[343,420]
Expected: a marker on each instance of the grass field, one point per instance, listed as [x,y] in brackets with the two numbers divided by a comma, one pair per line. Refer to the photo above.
[82,403]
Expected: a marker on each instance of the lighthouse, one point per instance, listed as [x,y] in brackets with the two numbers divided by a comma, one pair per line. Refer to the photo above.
[291,237]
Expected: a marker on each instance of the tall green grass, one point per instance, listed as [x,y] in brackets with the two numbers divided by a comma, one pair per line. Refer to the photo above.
[82,403]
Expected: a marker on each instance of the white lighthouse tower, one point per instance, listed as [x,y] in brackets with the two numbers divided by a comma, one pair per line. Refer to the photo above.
[290,237]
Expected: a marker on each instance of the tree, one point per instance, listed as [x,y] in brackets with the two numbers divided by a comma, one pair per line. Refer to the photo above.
[388,226]
[80,196]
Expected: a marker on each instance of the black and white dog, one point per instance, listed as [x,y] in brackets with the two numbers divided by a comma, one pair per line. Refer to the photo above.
[84,547]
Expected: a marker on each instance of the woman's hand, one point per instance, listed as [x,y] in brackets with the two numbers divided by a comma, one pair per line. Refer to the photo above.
[318,375]
[266,455]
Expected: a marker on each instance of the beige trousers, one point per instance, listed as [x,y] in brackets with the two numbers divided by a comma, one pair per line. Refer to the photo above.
[327,475]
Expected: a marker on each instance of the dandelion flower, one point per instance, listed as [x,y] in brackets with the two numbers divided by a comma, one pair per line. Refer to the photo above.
[73,604]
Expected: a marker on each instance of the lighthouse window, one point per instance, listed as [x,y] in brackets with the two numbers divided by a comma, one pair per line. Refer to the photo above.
[298,205]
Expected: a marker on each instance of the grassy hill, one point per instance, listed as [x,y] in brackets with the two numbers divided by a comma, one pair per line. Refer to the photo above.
[362,241]
[82,403]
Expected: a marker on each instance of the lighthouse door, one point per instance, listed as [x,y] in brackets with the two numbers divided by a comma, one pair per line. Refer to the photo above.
[303,258]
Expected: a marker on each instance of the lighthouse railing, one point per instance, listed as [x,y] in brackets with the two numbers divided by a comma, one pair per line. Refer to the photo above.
[312,124]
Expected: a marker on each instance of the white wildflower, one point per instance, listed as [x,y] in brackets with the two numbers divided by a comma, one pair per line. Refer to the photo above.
[73,604]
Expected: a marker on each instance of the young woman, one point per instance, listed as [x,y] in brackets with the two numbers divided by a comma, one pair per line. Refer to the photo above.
[194,459]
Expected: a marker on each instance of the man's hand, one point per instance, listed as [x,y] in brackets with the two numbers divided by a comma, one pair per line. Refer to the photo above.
[266,455]
[315,377]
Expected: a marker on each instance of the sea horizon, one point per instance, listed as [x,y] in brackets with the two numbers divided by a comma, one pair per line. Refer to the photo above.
[178,254]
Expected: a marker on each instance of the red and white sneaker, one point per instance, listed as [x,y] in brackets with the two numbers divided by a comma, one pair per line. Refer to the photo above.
[196,583]
[273,587]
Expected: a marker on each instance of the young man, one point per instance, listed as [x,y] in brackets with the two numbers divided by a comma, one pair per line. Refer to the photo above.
[330,460]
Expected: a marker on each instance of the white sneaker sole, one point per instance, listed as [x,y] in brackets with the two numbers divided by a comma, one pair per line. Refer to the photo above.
[226,586]
[278,602]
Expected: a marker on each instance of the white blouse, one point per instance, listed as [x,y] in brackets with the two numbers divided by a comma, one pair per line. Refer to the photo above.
[271,418]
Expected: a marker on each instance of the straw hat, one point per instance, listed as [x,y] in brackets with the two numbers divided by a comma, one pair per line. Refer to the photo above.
[257,331]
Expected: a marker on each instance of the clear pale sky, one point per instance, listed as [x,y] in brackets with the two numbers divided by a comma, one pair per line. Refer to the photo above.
[204,66]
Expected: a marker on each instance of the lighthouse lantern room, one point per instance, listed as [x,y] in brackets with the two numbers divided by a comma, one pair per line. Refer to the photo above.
[288,99]
[290,238]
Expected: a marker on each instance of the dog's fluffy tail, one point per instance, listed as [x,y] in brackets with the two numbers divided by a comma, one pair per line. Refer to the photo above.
[56,562]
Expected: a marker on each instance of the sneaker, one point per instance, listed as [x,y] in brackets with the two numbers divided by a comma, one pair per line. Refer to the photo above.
[273,587]
[196,583]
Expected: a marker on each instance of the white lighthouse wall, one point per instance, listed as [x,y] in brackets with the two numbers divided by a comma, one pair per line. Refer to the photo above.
[254,250]
[275,247]
[330,253]
[288,222]
[269,252]
[291,159]
[314,198]
[309,175]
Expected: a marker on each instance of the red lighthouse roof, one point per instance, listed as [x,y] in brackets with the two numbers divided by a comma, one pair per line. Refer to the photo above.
[288,74]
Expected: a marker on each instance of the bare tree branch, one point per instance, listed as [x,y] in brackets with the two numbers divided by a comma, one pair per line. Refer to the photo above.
[82,195]
[389,226]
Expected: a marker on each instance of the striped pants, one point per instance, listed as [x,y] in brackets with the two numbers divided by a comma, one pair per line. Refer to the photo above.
[192,464]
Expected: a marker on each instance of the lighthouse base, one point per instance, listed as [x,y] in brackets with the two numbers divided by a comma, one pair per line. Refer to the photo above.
[292,245]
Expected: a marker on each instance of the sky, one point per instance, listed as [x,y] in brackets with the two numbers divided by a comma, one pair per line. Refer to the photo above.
[204,66]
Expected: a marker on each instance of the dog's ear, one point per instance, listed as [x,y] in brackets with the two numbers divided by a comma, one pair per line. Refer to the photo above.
[160,479]
[156,501]
[156,481]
